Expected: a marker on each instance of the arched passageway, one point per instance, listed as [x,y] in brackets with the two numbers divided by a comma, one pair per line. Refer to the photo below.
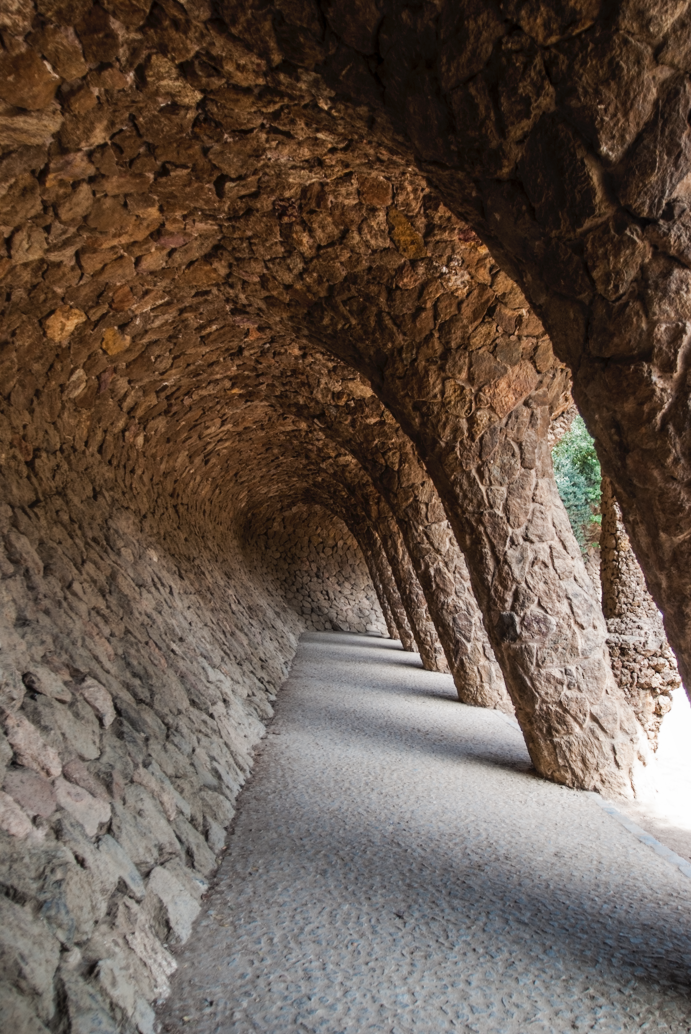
[394,866]
[286,278]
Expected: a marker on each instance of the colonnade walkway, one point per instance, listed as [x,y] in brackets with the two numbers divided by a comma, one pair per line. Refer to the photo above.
[396,866]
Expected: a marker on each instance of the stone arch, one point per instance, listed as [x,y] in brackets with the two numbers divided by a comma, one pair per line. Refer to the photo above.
[254,251]
[395,276]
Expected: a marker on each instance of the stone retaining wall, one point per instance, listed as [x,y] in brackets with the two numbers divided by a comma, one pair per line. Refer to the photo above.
[319,569]
[136,670]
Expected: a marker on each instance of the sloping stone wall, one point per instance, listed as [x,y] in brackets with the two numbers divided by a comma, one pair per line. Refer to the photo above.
[138,660]
[319,569]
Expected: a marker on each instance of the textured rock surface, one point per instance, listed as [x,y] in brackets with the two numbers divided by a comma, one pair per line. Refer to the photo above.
[318,570]
[561,424]
[642,662]
[382,579]
[139,658]
[372,436]
[189,211]
[240,271]
[394,866]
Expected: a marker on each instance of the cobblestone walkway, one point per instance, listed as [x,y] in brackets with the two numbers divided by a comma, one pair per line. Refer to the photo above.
[396,867]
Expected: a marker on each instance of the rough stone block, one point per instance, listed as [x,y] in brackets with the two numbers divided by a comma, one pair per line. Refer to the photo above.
[12,689]
[142,940]
[31,790]
[196,884]
[29,954]
[17,1013]
[71,900]
[77,772]
[194,842]
[72,731]
[42,680]
[20,551]
[144,1017]
[141,828]
[88,1012]
[180,800]
[163,794]
[30,748]
[13,819]
[80,727]
[119,973]
[90,811]
[122,865]
[661,155]
[5,753]
[215,835]
[98,697]
[180,906]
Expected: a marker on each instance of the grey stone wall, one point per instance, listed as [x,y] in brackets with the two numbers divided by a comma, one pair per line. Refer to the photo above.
[138,661]
[318,568]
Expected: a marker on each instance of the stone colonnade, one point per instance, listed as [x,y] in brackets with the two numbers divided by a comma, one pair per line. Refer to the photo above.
[518,117]
[352,255]
[141,180]
[384,584]
[365,428]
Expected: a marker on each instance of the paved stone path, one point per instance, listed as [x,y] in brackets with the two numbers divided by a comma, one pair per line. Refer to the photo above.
[396,867]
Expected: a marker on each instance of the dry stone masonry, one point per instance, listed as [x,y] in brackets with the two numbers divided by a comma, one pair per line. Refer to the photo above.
[135,674]
[279,278]
[642,662]
[382,579]
[319,570]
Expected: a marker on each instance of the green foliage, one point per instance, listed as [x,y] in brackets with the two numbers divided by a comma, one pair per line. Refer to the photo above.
[577,473]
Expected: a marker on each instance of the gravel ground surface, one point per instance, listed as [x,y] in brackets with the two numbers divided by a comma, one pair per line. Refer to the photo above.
[396,866]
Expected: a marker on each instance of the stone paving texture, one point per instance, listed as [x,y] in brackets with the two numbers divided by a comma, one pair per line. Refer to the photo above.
[397,866]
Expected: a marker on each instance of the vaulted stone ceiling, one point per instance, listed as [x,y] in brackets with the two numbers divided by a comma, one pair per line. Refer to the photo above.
[267,259]
[207,205]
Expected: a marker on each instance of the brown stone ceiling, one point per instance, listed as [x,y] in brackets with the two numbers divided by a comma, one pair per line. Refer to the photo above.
[185,175]
[241,263]
[191,240]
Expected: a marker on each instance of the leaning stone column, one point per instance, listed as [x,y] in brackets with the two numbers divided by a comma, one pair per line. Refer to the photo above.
[401,625]
[384,584]
[429,647]
[540,608]
[391,627]
[443,576]
[642,661]
[444,579]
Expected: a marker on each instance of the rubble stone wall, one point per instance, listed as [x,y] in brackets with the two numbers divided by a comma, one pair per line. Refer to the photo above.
[186,212]
[319,569]
[138,661]
[197,202]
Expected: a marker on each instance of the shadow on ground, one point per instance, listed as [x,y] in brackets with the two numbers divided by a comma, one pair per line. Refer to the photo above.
[393,867]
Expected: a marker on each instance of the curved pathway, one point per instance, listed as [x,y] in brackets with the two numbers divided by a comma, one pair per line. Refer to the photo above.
[395,866]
